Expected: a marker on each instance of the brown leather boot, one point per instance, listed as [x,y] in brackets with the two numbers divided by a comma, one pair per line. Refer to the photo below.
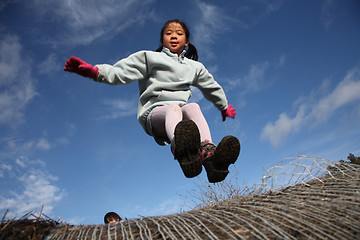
[186,149]
[217,163]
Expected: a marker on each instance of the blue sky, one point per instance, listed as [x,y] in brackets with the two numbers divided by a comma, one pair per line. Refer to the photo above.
[290,68]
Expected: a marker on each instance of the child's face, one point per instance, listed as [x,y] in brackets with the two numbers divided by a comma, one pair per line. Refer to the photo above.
[112,220]
[175,38]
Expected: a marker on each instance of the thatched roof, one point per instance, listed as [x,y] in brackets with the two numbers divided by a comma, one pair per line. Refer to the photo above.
[315,202]
[29,227]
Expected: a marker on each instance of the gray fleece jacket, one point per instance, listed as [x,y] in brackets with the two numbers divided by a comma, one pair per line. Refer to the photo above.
[164,78]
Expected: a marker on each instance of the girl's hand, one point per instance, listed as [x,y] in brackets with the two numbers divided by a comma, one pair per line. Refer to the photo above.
[76,65]
[229,112]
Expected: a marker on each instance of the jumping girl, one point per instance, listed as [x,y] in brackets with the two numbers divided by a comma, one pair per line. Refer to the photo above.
[164,79]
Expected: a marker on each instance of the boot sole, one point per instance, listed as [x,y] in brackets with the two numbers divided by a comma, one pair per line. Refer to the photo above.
[225,154]
[187,144]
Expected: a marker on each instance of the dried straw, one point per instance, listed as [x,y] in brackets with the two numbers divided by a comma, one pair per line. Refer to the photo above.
[299,198]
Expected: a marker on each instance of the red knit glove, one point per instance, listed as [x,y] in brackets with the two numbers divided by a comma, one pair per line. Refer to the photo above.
[76,65]
[229,112]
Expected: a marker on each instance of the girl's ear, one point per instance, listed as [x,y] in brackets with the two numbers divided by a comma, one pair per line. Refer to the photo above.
[187,43]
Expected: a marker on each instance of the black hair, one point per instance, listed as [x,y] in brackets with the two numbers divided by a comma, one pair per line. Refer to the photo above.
[111,216]
[191,51]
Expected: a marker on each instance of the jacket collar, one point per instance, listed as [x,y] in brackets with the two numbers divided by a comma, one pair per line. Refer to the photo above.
[174,55]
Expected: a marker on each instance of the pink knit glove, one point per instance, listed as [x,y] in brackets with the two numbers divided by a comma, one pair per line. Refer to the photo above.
[76,65]
[229,112]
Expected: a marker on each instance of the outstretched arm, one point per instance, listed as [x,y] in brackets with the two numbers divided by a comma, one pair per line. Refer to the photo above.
[213,92]
[76,65]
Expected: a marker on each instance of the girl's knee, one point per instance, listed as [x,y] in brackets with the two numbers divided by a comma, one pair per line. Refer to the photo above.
[193,106]
[192,111]
[174,108]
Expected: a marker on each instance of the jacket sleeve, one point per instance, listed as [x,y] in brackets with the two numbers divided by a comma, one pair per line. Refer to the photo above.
[125,71]
[211,90]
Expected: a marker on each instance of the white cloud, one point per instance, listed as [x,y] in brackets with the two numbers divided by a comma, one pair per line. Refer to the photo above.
[255,78]
[82,21]
[71,129]
[38,189]
[49,65]
[314,111]
[20,161]
[62,141]
[75,220]
[117,108]
[252,12]
[168,206]
[43,144]
[277,132]
[26,184]
[17,87]
[282,61]
[4,167]
[326,16]
[196,94]
[13,101]
[346,92]
[253,81]
[10,58]
[214,20]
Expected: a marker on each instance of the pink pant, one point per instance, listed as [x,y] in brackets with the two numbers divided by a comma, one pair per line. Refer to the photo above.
[165,118]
